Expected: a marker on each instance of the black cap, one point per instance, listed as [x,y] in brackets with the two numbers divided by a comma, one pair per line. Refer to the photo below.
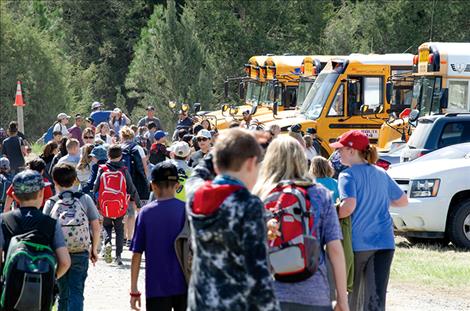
[311,130]
[296,128]
[164,171]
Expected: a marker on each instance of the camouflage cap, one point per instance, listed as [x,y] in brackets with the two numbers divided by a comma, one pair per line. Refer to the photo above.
[28,181]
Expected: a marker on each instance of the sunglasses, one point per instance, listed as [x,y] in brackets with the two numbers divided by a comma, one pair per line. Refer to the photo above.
[89,137]
[202,139]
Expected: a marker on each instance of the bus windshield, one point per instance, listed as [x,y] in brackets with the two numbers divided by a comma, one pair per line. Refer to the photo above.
[318,94]
[267,94]
[253,90]
[304,87]
[426,94]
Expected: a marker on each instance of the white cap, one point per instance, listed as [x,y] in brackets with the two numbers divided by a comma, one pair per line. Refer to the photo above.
[117,110]
[95,105]
[181,149]
[62,115]
[204,133]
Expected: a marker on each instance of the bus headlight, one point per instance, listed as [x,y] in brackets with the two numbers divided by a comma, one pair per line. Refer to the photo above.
[423,188]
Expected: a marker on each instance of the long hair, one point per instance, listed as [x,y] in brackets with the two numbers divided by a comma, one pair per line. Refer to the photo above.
[48,151]
[100,126]
[85,159]
[285,159]
[370,154]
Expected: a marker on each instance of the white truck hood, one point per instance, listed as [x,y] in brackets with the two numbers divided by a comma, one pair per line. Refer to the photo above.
[431,168]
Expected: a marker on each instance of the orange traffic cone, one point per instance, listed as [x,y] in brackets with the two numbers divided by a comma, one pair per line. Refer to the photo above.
[19,96]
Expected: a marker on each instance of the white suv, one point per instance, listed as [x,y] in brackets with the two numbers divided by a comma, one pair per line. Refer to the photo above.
[438,188]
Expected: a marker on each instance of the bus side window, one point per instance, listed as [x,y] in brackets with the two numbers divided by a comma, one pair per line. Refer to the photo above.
[458,96]
[337,106]
[373,90]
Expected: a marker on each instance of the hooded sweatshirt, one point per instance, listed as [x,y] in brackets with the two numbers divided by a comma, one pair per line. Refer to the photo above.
[230,249]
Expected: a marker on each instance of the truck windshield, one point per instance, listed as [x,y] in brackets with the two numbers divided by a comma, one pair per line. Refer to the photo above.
[426,94]
[318,94]
[304,87]
[253,90]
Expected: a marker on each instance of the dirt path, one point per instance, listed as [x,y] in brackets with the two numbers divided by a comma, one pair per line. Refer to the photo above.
[107,289]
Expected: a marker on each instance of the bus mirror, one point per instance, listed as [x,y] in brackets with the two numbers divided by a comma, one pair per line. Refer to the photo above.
[364,109]
[379,109]
[172,104]
[443,103]
[197,107]
[224,107]
[241,90]
[413,116]
[233,111]
[225,89]
[389,92]
[275,105]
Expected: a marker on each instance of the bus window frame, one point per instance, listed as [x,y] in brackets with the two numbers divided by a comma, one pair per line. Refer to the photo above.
[341,85]
[381,94]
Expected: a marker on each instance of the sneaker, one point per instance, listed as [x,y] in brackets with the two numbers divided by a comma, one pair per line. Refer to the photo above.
[118,260]
[107,253]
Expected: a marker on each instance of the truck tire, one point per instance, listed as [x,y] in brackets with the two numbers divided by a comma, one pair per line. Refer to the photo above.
[459,225]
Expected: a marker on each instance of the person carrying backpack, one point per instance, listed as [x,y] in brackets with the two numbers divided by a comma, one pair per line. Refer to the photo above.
[28,236]
[302,222]
[230,234]
[5,181]
[77,215]
[112,188]
[159,224]
[135,160]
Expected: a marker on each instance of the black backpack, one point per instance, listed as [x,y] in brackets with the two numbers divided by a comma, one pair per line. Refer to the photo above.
[30,264]
[133,161]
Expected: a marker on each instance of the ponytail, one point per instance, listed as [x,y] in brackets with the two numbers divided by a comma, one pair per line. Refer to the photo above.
[370,154]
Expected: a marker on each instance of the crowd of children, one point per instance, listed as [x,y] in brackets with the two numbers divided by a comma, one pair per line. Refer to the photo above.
[250,220]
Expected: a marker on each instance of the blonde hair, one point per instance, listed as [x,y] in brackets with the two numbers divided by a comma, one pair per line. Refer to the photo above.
[100,126]
[321,167]
[126,133]
[285,159]
[85,159]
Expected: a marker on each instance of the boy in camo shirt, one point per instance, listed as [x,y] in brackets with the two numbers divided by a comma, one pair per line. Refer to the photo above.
[230,269]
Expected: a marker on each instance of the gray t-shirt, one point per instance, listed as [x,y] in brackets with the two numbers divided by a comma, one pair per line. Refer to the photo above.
[87,202]
[57,242]
[146,120]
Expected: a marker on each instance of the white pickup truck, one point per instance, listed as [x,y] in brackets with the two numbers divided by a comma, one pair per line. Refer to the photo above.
[438,188]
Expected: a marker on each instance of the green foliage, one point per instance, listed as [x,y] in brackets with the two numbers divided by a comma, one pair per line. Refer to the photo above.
[170,64]
[29,57]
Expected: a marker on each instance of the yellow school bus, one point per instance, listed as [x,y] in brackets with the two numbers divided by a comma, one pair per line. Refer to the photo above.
[441,84]
[349,93]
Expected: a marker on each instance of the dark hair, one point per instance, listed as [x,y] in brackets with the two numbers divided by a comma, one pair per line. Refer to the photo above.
[166,184]
[114,151]
[47,152]
[55,133]
[234,148]
[234,124]
[27,196]
[63,146]
[182,133]
[197,128]
[13,127]
[37,165]
[187,138]
[64,175]
[151,125]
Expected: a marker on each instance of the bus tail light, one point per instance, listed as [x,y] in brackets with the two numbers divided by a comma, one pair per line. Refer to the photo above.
[302,69]
[415,60]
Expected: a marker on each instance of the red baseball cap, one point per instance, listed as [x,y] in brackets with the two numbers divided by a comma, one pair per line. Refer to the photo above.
[354,139]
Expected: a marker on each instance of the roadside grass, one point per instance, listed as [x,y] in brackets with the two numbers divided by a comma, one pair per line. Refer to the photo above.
[37,148]
[431,266]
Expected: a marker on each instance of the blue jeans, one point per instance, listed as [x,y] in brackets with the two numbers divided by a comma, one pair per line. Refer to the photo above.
[72,284]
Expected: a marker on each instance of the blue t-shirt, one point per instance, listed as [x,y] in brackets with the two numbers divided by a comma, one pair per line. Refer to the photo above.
[330,184]
[157,226]
[373,189]
[100,116]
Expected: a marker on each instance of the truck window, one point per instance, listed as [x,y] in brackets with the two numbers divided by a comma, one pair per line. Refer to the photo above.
[458,96]
[337,106]
[455,133]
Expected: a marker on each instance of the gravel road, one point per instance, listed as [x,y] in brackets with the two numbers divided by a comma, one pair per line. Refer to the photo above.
[107,288]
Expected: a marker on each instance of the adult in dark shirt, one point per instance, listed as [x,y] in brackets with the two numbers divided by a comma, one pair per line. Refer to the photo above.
[14,148]
[184,120]
[204,142]
[150,118]
[76,131]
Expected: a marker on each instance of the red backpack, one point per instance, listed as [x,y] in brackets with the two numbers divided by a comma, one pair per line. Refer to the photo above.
[294,253]
[112,195]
